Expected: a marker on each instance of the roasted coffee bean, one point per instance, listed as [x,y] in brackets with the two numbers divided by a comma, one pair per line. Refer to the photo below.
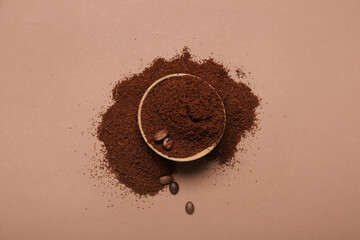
[189,208]
[174,188]
[160,135]
[165,180]
[168,144]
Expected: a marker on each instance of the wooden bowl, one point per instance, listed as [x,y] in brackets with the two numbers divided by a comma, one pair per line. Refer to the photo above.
[186,159]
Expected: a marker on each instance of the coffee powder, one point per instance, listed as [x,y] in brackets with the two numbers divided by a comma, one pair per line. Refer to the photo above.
[130,159]
[189,109]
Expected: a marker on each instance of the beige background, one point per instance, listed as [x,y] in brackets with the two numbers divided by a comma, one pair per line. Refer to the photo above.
[59,59]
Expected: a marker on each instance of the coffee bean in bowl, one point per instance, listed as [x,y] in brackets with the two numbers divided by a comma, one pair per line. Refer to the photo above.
[168,144]
[160,135]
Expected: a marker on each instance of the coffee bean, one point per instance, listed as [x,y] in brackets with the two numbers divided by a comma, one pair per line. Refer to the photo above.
[168,144]
[160,135]
[165,180]
[174,188]
[189,208]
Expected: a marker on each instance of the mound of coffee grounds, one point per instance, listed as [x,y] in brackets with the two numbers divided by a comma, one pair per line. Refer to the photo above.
[130,159]
[189,109]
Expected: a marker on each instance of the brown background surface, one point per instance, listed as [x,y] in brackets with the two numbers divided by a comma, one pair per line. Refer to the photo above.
[59,59]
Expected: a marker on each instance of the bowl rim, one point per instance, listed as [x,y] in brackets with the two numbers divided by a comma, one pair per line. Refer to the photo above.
[186,159]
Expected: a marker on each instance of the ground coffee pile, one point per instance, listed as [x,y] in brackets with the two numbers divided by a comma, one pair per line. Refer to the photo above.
[189,109]
[130,159]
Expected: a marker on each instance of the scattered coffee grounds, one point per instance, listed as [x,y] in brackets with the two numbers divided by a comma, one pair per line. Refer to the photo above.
[128,156]
[189,208]
[190,110]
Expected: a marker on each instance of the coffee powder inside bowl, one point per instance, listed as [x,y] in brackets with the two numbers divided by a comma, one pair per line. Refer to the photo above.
[189,109]
[134,164]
